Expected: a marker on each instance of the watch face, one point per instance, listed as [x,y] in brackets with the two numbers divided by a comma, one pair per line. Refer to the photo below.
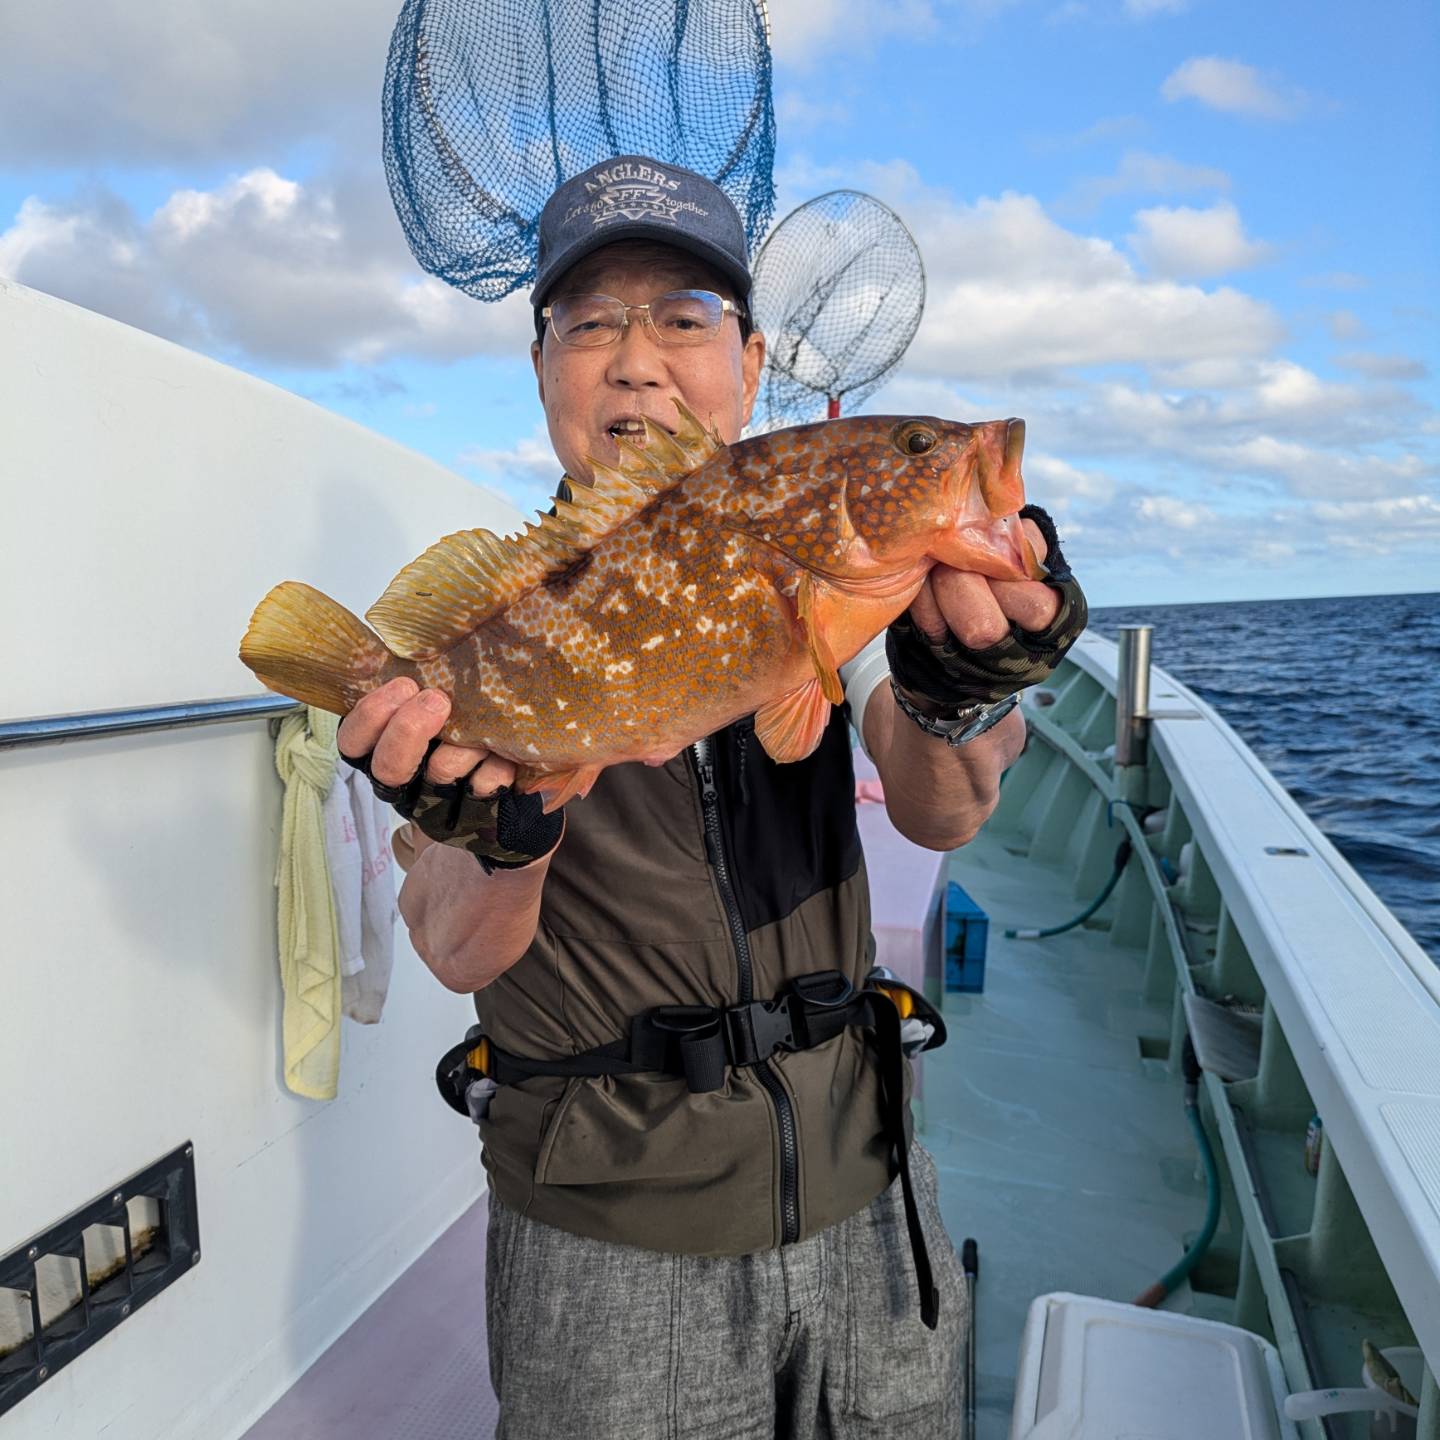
[988,717]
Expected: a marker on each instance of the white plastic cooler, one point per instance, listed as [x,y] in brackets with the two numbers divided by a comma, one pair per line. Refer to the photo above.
[1099,1370]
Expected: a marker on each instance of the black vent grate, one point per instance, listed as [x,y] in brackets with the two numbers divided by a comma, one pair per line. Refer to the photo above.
[95,1268]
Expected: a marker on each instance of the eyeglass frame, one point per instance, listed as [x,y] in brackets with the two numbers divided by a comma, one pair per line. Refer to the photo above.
[727,307]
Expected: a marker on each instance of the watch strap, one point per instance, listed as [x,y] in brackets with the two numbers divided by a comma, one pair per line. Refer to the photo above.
[961,725]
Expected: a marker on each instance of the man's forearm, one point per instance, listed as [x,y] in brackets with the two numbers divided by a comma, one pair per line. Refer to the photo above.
[469,927]
[937,796]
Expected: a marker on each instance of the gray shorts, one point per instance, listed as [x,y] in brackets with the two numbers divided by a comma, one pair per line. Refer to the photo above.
[816,1341]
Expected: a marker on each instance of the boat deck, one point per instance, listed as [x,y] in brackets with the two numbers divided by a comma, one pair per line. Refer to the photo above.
[1060,1149]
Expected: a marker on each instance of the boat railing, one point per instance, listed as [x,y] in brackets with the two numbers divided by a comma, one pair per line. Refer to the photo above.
[137,719]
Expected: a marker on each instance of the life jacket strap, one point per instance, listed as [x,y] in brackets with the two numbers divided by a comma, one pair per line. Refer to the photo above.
[700,1042]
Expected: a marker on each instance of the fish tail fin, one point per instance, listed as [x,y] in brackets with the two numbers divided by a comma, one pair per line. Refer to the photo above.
[303,644]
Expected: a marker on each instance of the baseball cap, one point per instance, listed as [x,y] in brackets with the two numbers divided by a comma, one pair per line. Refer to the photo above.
[631,198]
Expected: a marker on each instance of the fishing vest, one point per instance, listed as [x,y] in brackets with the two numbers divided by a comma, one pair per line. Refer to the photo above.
[716,879]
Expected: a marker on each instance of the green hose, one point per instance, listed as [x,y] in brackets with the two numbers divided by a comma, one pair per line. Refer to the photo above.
[1192,1257]
[1122,856]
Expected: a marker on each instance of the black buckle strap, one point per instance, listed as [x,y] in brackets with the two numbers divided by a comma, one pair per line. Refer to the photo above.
[754,1032]
[885,1018]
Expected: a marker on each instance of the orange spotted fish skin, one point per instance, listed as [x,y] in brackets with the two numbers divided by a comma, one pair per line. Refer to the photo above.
[739,588]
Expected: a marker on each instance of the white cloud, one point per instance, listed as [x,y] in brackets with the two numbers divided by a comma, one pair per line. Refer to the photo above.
[1377,528]
[1010,290]
[260,267]
[1109,127]
[1383,367]
[526,472]
[1062,482]
[1347,325]
[1142,173]
[1175,513]
[1313,473]
[1406,509]
[89,81]
[1233,87]
[1195,244]
[797,113]
[1336,280]
[1282,399]
[1144,9]
[801,33]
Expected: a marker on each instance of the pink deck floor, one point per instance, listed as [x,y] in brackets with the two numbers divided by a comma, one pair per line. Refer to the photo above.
[413,1366]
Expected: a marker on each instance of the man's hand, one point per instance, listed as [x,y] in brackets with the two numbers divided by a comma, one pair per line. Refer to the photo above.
[394,726]
[391,734]
[976,610]
[967,639]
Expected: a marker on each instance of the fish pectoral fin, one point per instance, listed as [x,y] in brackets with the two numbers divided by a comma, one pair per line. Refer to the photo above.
[827,673]
[559,787]
[790,728]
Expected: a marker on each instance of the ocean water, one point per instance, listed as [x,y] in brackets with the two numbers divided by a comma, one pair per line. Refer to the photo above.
[1340,698]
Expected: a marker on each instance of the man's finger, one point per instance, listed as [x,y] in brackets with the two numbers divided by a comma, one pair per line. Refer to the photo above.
[970,610]
[925,613]
[1031,604]
[1037,540]
[450,762]
[400,750]
[494,772]
[363,726]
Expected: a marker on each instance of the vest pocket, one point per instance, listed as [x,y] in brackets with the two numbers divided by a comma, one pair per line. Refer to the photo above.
[640,1160]
[633,1128]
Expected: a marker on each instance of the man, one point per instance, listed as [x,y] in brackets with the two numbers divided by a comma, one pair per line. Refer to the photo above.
[723,1250]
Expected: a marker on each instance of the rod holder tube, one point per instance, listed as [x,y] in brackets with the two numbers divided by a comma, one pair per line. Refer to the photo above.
[1132,696]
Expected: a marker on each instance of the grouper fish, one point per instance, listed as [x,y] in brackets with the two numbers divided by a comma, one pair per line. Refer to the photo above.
[691,585]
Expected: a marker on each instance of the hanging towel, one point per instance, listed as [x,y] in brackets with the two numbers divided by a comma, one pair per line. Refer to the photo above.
[309,941]
[362,880]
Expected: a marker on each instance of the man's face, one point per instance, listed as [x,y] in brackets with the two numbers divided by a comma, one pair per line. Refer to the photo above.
[586,392]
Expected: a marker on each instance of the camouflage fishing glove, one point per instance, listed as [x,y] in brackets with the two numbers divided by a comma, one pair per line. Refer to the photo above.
[503,831]
[947,675]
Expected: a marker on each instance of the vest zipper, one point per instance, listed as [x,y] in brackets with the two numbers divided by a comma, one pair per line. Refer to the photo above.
[784,1111]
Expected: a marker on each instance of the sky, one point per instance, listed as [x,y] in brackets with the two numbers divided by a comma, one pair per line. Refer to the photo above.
[1194,243]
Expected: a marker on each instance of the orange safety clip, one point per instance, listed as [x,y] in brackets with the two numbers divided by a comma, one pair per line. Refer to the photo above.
[902,1000]
[479,1057]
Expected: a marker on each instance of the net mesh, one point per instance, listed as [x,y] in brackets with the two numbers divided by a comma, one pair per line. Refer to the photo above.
[490,105]
[839,292]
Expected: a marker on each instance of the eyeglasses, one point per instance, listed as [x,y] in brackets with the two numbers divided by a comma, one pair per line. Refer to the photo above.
[681,317]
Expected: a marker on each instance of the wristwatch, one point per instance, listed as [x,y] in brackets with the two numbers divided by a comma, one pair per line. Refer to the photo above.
[957,726]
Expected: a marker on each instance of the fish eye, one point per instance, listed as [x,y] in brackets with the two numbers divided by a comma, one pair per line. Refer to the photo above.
[913,438]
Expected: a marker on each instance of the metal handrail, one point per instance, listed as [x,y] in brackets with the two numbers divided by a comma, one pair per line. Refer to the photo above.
[92,724]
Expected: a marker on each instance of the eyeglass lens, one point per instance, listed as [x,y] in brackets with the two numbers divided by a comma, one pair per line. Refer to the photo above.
[681,317]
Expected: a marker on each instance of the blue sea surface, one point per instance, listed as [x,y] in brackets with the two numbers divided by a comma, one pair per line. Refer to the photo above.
[1340,698]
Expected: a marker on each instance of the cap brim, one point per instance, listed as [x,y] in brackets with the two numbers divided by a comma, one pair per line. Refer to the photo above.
[712,255]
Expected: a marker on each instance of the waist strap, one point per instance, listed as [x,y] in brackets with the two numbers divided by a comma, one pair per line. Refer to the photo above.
[698,1043]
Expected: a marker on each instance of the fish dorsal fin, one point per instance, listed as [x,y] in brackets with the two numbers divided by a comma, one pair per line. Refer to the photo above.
[467,578]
